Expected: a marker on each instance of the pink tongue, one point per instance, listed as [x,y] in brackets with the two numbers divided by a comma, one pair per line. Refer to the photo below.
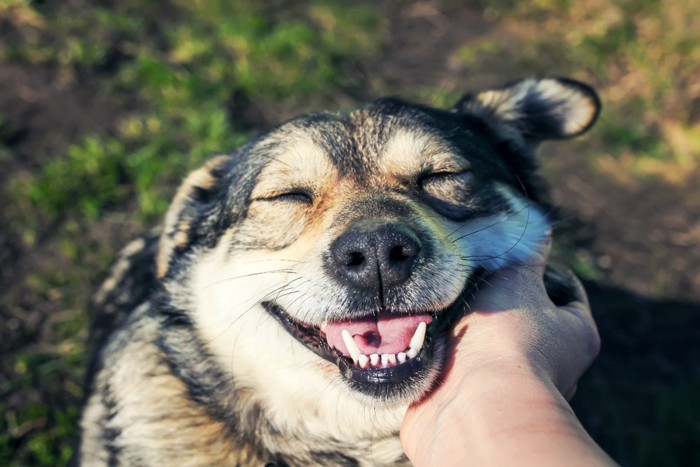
[386,334]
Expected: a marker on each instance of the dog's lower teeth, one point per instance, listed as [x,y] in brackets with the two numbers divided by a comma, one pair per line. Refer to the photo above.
[376,360]
[363,361]
[383,360]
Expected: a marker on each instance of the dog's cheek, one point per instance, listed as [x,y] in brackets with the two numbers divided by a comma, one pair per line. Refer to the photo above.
[510,237]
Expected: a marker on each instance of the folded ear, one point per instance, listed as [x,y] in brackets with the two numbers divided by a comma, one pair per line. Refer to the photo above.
[190,209]
[535,109]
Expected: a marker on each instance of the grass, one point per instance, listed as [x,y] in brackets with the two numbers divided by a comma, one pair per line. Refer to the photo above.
[187,79]
[174,70]
[643,56]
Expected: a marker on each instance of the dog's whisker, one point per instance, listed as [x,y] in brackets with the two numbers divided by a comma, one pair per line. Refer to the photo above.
[495,223]
[301,291]
[240,316]
[279,260]
[246,276]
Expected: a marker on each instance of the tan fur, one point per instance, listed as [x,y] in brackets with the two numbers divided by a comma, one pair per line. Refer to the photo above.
[220,354]
[175,232]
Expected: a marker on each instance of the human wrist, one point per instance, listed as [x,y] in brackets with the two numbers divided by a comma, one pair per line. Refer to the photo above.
[475,410]
[498,414]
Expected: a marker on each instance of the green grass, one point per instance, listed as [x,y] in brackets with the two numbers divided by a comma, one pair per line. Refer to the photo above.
[174,72]
[640,54]
[173,69]
[182,75]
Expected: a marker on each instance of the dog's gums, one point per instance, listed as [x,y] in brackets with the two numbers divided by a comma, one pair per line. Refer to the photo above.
[379,352]
[364,235]
[366,371]
[383,360]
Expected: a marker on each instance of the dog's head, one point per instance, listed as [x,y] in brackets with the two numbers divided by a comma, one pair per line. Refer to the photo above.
[339,247]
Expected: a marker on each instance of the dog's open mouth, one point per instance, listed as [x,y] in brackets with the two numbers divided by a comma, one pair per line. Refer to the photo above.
[381,350]
[380,341]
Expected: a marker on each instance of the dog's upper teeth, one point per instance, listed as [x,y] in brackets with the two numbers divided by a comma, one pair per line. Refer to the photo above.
[401,356]
[418,338]
[374,359]
[351,345]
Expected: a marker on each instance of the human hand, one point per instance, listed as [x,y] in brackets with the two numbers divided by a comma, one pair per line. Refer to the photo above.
[510,361]
[514,322]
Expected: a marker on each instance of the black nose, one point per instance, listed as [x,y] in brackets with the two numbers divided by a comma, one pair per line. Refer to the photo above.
[374,255]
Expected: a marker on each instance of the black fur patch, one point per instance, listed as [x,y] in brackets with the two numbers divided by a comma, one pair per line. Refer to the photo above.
[334,458]
[473,154]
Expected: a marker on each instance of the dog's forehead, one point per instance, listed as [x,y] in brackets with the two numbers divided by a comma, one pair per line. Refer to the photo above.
[364,145]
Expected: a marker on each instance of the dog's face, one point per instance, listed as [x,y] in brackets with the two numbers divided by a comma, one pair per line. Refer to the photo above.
[331,255]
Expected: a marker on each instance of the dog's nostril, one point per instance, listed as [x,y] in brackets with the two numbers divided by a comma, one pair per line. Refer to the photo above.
[398,254]
[355,259]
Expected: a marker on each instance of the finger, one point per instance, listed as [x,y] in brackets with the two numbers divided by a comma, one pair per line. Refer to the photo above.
[571,393]
[580,304]
[577,288]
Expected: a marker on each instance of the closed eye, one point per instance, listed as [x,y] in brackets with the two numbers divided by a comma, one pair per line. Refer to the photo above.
[291,196]
[436,178]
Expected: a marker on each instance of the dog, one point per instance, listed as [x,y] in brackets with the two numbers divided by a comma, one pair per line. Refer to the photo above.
[298,295]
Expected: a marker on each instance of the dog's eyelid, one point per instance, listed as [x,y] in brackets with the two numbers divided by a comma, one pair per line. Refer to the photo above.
[440,174]
[295,194]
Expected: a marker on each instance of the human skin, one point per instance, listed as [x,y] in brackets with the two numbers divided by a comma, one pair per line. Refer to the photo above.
[514,362]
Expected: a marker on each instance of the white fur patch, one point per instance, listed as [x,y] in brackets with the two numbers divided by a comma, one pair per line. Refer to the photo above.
[300,391]
[506,239]
[574,108]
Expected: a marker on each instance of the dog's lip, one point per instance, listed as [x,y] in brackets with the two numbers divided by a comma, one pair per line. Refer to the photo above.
[314,339]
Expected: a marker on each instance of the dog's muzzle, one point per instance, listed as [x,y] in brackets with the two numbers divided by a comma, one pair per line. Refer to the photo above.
[383,351]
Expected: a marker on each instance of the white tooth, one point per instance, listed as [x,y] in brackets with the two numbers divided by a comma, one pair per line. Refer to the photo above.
[401,356]
[411,353]
[363,360]
[418,337]
[351,345]
[385,359]
[374,359]
[392,358]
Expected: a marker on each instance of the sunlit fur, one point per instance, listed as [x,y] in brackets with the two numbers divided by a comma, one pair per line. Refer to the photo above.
[197,372]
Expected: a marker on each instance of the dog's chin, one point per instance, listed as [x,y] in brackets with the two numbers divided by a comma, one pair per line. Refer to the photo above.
[406,376]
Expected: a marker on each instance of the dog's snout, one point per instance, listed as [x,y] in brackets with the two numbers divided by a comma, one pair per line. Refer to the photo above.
[373,255]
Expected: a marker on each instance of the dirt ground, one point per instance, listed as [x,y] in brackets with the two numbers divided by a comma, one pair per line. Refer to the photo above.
[642,234]
[645,234]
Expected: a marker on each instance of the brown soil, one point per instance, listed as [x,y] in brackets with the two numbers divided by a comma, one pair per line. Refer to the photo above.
[644,234]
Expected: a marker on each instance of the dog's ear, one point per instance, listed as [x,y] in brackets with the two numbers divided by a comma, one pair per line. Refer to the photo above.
[189,211]
[535,109]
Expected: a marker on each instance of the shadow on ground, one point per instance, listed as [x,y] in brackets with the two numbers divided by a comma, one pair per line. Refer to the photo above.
[638,399]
